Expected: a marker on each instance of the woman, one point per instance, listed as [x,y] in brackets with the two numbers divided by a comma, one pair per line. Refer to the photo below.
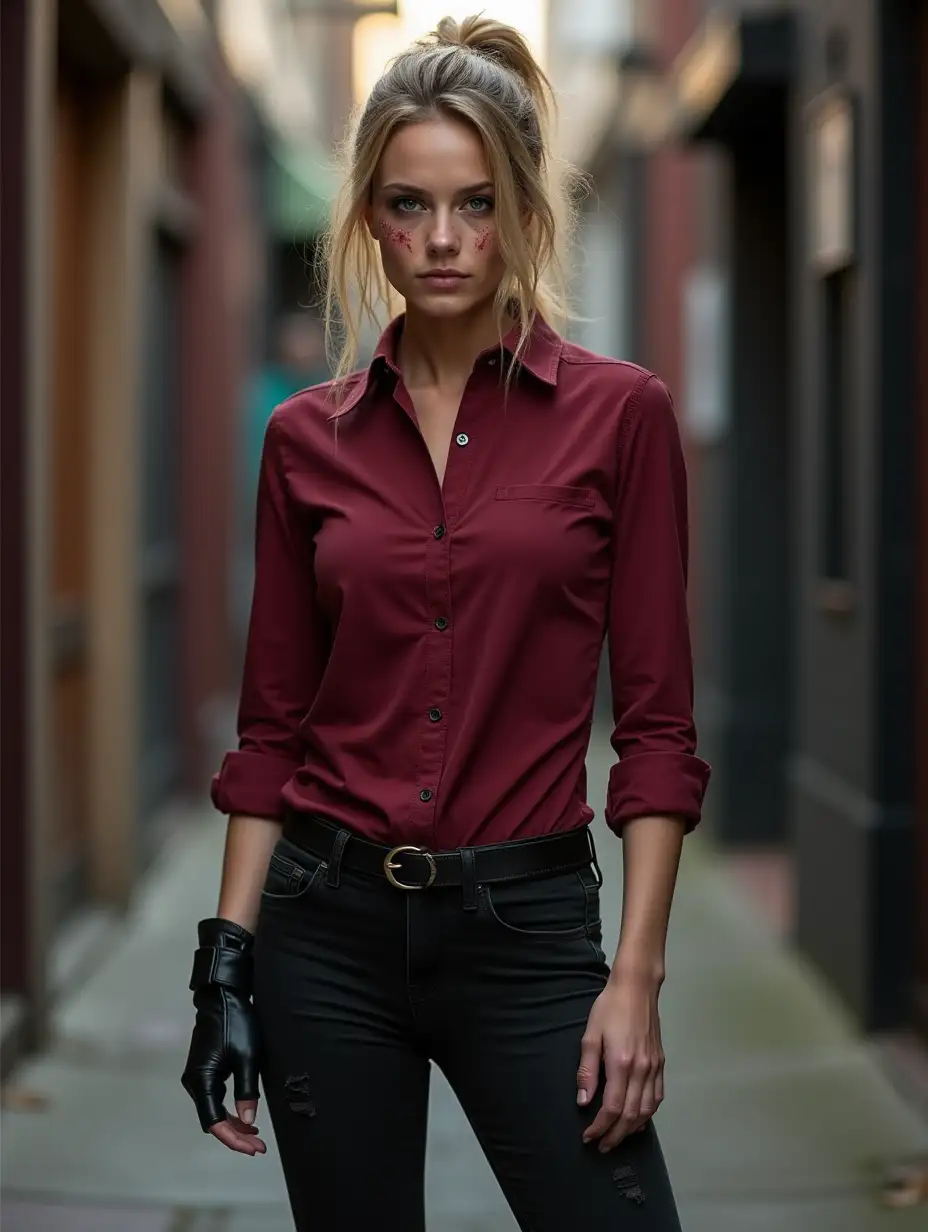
[443,540]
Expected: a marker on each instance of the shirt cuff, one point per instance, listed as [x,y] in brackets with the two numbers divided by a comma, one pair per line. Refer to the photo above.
[657,785]
[251,783]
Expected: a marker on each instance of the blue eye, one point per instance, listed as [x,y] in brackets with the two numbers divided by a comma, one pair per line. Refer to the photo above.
[400,204]
[480,205]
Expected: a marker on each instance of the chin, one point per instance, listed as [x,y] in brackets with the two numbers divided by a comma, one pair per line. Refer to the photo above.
[444,306]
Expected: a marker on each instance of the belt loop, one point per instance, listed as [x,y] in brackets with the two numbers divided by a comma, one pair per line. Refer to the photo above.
[333,873]
[468,879]
[594,858]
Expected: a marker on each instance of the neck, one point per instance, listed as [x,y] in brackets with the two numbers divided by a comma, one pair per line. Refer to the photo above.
[442,351]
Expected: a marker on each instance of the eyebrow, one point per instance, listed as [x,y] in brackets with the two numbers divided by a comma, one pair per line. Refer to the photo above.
[471,191]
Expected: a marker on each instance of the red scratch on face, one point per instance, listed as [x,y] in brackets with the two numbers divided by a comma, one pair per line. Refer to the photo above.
[482,240]
[401,238]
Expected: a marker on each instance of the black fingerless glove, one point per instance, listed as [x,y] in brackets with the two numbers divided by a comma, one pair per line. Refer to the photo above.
[225,1034]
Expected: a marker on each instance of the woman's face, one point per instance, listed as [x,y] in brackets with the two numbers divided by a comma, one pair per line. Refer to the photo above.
[433,214]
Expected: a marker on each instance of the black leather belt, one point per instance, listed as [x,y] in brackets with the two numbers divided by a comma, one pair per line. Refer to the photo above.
[409,867]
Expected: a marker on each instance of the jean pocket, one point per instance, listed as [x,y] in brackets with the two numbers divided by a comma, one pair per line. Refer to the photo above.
[563,906]
[288,877]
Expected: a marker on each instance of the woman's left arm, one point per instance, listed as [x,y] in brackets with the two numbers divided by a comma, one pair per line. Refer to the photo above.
[656,788]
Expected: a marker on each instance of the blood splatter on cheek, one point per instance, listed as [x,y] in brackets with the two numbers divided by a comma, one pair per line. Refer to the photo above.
[482,240]
[395,235]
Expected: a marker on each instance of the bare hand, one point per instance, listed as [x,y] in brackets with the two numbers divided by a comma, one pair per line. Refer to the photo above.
[623,1034]
[239,1133]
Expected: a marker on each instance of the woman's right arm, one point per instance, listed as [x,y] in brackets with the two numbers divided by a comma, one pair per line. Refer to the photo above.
[284,660]
[285,652]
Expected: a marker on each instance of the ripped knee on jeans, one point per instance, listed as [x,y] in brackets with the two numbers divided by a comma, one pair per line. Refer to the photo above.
[297,1088]
[627,1182]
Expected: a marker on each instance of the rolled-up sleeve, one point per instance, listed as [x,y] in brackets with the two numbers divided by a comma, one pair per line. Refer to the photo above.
[284,655]
[650,656]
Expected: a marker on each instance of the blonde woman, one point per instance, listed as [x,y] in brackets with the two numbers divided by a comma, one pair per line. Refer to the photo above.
[444,539]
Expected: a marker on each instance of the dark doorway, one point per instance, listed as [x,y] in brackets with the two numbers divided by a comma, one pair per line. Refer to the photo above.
[69,464]
[160,551]
[747,506]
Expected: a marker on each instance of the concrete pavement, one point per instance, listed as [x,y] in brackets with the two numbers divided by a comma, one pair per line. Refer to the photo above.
[778,1118]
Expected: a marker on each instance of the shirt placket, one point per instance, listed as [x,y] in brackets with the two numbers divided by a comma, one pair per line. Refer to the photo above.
[439,618]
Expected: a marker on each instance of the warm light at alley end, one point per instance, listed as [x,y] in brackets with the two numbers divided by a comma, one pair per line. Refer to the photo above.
[379,37]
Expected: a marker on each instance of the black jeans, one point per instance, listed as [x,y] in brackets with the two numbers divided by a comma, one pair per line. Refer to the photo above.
[358,985]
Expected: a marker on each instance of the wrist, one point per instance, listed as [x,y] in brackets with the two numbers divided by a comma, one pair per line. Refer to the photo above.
[223,957]
[639,969]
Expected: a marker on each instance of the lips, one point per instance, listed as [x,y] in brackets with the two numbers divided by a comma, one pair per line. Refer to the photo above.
[444,280]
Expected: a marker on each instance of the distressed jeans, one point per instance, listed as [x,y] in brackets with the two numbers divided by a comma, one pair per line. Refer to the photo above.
[359,986]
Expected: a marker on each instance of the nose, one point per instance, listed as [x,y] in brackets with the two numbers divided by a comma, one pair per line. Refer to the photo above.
[443,238]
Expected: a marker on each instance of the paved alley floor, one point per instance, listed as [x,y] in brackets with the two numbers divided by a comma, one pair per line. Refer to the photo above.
[778,1118]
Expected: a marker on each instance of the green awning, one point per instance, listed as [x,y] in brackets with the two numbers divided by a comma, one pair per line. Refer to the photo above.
[302,188]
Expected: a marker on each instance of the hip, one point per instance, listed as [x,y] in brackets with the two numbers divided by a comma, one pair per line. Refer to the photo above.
[504,914]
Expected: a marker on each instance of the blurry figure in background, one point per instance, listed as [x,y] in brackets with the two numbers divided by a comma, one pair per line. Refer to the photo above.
[298,361]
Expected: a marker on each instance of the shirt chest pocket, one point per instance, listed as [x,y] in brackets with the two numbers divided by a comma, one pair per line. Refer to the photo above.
[547,493]
[546,534]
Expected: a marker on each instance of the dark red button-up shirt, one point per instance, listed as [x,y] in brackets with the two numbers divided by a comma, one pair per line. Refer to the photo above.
[422,659]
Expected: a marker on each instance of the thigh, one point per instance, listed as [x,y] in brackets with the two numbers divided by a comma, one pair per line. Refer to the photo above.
[345,1081]
[511,1055]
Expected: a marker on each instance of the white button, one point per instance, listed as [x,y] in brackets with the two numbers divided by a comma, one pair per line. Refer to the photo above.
[491,362]
[462,438]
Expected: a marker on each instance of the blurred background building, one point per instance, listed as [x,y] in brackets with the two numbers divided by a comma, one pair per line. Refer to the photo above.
[167,167]
[757,233]
[759,236]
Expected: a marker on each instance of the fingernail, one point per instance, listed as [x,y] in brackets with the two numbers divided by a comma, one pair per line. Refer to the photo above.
[248,1115]
[582,1097]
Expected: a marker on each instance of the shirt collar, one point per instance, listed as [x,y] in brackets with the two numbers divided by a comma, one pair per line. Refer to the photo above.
[541,357]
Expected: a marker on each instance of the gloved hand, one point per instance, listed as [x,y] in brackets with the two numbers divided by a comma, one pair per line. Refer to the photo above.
[225,1035]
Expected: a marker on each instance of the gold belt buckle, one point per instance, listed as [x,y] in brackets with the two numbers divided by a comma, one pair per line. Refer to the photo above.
[389,864]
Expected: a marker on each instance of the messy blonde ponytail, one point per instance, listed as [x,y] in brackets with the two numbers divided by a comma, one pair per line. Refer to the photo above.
[482,72]
[504,45]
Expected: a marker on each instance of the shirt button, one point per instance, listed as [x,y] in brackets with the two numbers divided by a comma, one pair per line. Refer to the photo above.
[434,714]
[438,532]
[425,795]
[441,623]
[491,362]
[462,438]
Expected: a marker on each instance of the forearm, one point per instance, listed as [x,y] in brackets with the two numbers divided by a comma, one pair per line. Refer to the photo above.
[652,847]
[249,843]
